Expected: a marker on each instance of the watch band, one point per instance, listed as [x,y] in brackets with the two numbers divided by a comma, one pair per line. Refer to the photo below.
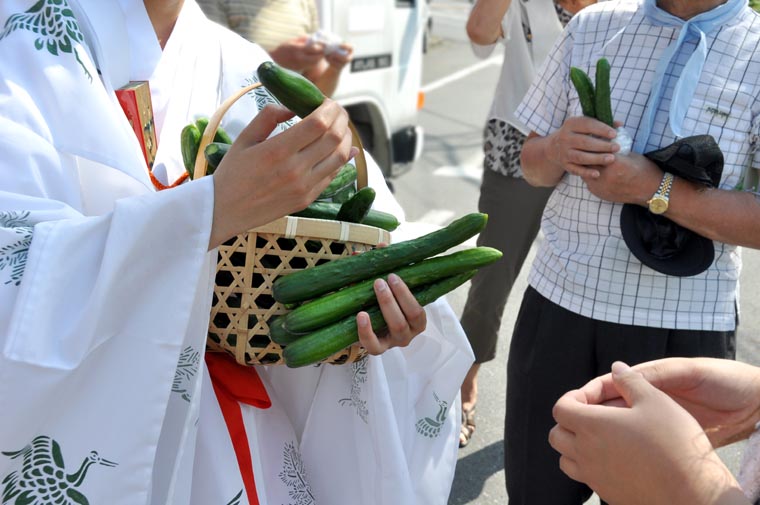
[665,184]
[658,204]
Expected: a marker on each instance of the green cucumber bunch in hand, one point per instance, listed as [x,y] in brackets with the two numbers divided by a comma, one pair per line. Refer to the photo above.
[595,100]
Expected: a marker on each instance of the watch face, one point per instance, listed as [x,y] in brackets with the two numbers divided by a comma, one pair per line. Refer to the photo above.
[658,205]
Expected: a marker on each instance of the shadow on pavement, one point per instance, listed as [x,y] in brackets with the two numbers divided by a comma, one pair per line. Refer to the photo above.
[472,472]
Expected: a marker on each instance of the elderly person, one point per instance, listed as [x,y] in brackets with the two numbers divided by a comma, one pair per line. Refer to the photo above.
[679,69]
[106,285]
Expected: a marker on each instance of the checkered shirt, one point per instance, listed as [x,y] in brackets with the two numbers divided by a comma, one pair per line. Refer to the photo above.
[583,263]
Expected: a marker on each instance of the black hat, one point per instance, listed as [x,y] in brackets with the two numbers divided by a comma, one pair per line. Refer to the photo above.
[655,240]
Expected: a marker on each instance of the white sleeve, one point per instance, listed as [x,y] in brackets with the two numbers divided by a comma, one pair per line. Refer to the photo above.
[94,311]
[546,104]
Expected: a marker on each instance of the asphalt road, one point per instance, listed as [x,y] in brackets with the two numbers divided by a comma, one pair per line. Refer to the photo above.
[444,184]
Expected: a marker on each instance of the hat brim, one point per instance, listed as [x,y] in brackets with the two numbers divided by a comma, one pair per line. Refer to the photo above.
[694,258]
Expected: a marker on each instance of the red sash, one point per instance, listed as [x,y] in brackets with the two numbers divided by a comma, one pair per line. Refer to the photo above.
[235,384]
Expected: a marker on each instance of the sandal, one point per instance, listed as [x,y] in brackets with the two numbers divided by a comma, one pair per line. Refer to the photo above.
[468,426]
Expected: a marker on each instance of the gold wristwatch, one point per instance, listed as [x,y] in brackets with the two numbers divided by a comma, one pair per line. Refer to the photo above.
[658,204]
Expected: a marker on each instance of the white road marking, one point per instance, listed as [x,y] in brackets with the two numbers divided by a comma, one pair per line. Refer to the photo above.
[493,60]
[471,168]
[437,217]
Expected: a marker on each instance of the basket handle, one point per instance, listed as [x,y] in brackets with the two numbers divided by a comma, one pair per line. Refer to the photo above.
[201,165]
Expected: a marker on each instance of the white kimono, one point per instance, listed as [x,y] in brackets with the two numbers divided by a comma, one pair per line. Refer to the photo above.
[105,294]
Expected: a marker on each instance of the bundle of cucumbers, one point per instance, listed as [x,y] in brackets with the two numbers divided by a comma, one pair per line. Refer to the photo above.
[340,200]
[596,102]
[327,297]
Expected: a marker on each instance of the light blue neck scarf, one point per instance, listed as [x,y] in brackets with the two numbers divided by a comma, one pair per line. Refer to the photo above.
[698,26]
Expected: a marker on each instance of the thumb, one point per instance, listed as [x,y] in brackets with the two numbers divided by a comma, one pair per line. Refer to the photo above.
[631,385]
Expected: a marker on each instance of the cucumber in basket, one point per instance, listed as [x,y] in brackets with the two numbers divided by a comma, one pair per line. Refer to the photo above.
[214,153]
[279,334]
[345,177]
[290,88]
[356,208]
[328,340]
[315,281]
[334,306]
[329,210]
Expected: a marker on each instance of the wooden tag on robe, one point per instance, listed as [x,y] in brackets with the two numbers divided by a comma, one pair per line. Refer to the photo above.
[135,100]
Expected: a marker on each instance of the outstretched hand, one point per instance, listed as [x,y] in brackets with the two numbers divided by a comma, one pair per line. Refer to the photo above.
[642,448]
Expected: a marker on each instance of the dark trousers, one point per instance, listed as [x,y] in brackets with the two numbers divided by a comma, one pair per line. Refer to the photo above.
[514,210]
[553,351]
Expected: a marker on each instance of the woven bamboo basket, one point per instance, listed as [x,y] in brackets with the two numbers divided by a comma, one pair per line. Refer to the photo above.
[249,264]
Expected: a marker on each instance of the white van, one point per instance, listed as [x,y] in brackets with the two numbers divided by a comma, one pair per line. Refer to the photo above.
[381,86]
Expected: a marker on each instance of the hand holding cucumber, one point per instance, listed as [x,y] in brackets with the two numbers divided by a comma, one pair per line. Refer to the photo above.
[262,179]
[596,100]
[404,316]
[582,146]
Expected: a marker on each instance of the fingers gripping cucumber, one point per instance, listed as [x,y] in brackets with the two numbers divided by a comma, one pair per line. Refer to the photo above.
[293,90]
[315,281]
[328,340]
[334,306]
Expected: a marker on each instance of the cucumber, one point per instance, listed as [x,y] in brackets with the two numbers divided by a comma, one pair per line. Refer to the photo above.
[279,334]
[290,88]
[356,208]
[346,176]
[329,210]
[214,153]
[345,194]
[585,89]
[190,140]
[328,340]
[603,103]
[220,135]
[334,306]
[315,281]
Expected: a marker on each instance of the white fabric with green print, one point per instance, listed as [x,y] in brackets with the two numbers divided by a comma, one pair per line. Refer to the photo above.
[105,294]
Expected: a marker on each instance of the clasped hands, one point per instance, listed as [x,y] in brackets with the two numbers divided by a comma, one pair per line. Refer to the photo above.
[584,147]
[645,435]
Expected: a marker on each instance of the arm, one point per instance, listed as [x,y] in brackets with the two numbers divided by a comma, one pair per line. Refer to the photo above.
[484,21]
[724,215]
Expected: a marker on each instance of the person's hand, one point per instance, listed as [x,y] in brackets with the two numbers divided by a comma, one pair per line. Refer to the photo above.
[627,179]
[404,316]
[582,146]
[262,179]
[339,58]
[298,54]
[722,395]
[650,451]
